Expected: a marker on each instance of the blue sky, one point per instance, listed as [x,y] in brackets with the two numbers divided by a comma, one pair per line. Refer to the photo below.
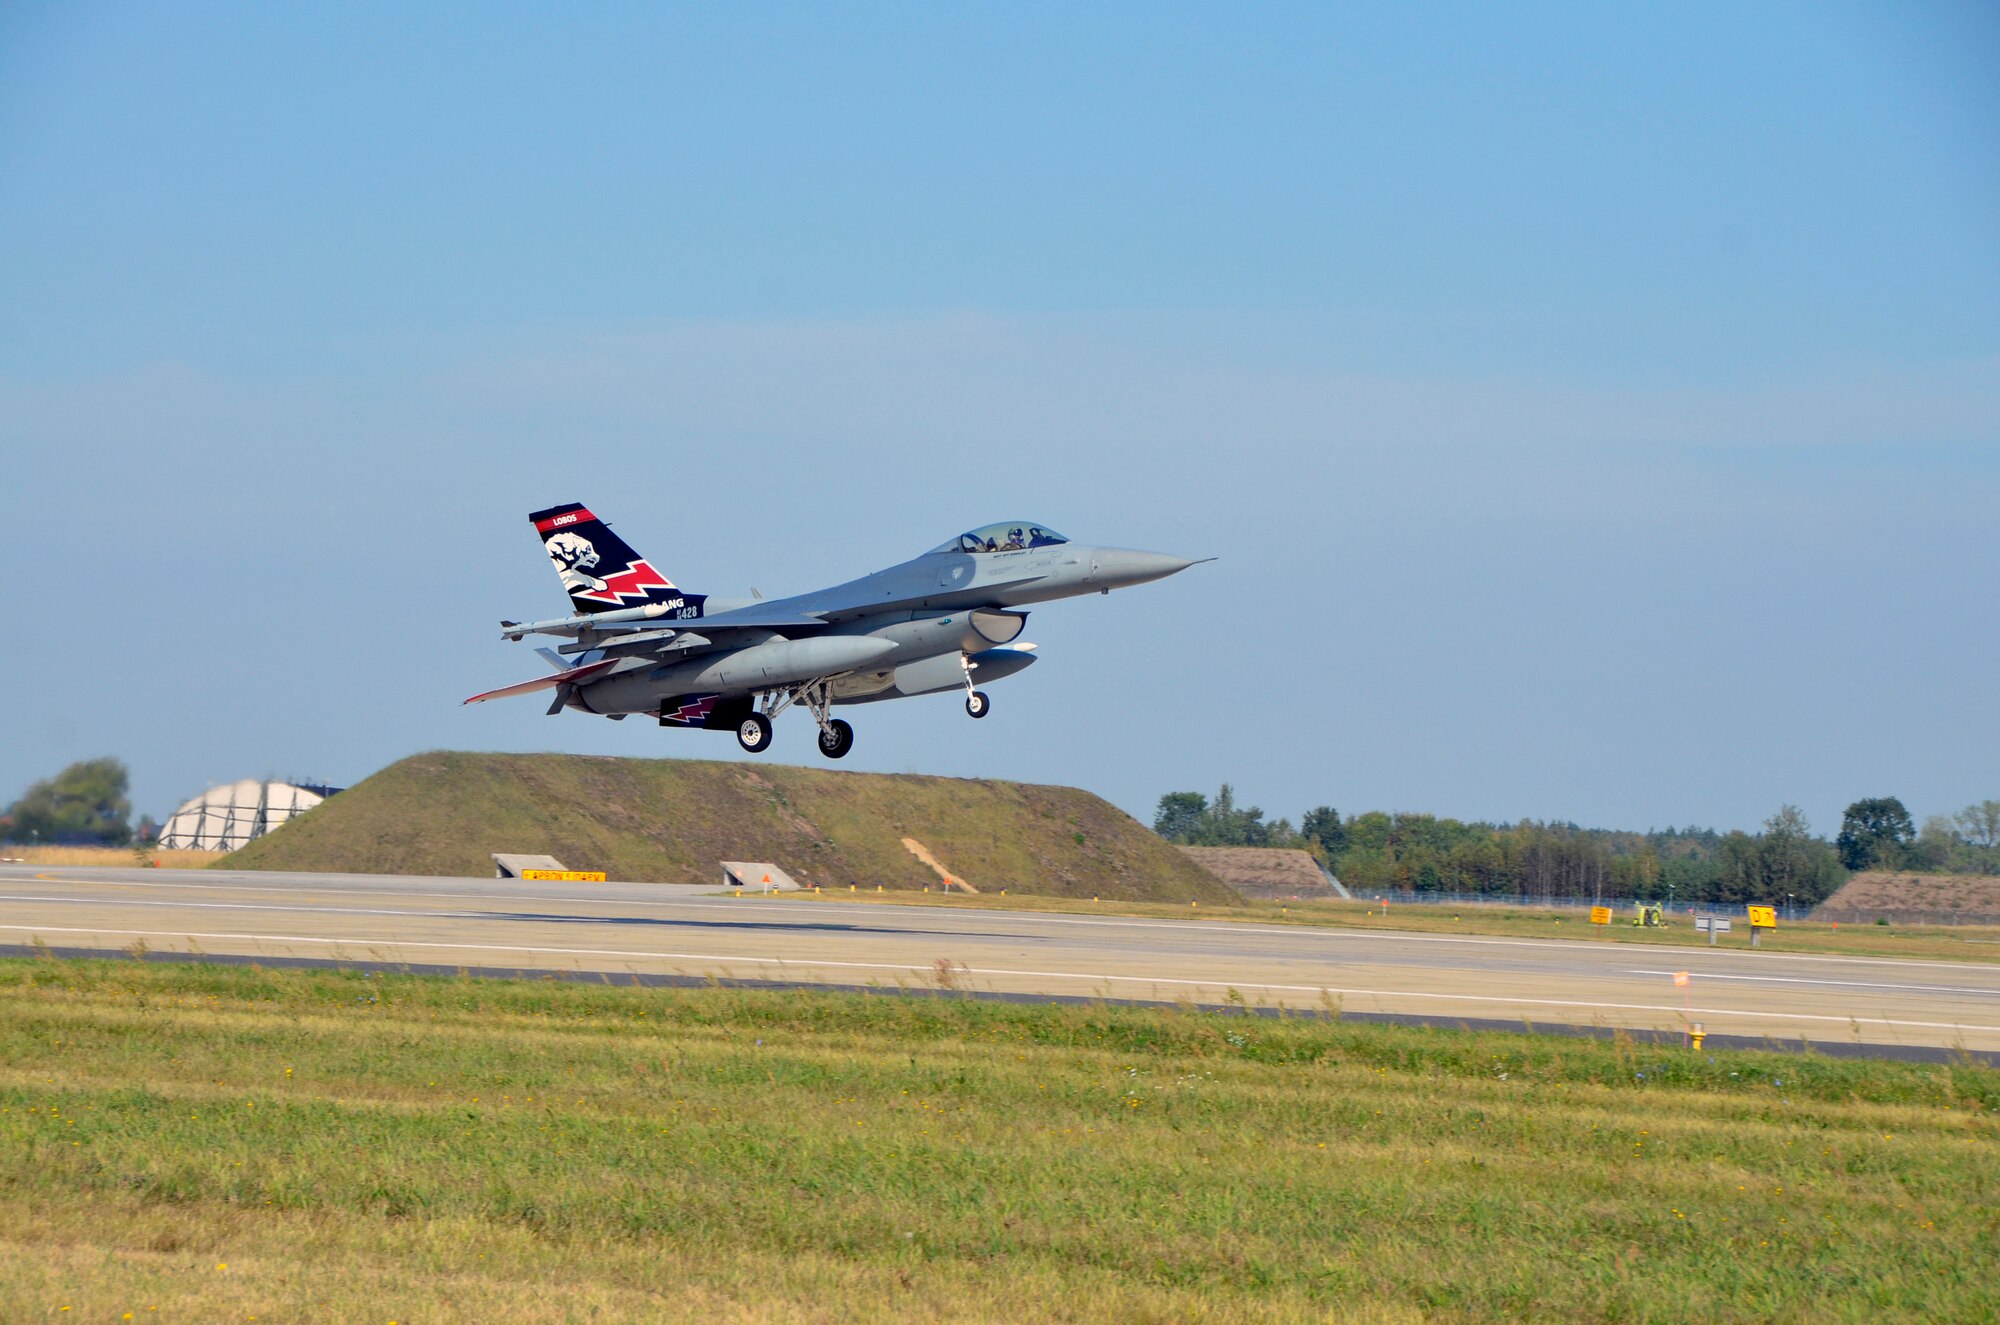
[1596,410]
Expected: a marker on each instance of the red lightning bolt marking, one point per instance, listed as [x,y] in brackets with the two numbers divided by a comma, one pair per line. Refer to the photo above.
[689,712]
[632,582]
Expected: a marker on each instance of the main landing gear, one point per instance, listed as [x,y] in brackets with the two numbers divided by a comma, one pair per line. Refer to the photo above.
[836,737]
[754,733]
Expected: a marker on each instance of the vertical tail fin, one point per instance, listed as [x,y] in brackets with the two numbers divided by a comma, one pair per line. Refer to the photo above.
[599,569]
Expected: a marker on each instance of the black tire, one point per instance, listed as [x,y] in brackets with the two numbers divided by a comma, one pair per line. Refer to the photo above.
[754,733]
[977,704]
[837,740]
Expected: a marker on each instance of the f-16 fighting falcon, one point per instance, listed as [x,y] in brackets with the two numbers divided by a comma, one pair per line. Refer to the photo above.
[941,622]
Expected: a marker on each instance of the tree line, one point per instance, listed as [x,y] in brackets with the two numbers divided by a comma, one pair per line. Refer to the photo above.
[84,805]
[1379,852]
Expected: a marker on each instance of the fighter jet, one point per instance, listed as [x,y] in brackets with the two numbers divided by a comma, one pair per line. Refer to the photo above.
[941,622]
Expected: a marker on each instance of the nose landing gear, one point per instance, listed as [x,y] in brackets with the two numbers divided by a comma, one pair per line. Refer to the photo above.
[976,702]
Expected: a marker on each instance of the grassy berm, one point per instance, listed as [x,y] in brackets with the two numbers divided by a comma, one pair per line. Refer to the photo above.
[673,820]
[205,1142]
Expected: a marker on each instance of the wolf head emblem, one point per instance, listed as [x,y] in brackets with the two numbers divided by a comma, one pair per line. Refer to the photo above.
[573,556]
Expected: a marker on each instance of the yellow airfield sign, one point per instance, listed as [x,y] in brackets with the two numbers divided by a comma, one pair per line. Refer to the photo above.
[565,876]
[1600,915]
[1763,917]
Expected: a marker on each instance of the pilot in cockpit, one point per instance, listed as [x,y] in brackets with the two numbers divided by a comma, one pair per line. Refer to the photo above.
[1014,541]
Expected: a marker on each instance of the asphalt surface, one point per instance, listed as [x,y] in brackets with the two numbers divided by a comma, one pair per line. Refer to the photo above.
[655,930]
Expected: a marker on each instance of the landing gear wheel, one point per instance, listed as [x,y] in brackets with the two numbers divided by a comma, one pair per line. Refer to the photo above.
[977,704]
[836,740]
[754,733]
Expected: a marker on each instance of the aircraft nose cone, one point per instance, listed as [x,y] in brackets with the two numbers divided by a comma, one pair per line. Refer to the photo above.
[1118,567]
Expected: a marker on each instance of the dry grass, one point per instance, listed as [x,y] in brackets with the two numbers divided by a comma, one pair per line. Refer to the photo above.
[1976,897]
[124,857]
[671,820]
[1264,873]
[186,1142]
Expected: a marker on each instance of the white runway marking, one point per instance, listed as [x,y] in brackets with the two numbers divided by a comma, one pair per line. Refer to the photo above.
[260,906]
[368,892]
[1833,984]
[726,959]
[1028,917]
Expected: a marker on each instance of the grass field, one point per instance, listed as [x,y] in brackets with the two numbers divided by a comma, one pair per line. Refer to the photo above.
[1971,943]
[672,820]
[1924,896]
[220,1143]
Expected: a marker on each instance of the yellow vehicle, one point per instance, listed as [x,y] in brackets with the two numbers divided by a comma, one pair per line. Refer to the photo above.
[1651,915]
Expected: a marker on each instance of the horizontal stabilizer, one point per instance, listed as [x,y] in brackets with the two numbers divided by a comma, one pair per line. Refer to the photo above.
[573,676]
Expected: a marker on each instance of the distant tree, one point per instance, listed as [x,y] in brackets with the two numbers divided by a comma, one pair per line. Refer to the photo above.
[1370,831]
[1873,833]
[1231,827]
[1223,825]
[1181,816]
[86,802]
[1192,819]
[1322,824]
[1786,850]
[1979,824]
[1964,843]
[1938,846]
[1742,871]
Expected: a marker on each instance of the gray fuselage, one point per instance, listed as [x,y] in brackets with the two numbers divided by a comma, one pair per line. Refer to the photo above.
[910,629]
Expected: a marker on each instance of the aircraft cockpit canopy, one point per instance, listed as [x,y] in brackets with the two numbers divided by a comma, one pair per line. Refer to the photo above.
[1007,536]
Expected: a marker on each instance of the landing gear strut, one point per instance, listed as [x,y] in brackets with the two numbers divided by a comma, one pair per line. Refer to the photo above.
[976,702]
[836,737]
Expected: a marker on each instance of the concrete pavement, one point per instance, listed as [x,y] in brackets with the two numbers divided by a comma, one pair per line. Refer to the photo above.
[656,929]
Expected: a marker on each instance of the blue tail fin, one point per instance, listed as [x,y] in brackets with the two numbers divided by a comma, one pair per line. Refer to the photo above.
[599,569]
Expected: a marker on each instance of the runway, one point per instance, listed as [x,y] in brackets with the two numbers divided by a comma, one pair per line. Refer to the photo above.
[689,931]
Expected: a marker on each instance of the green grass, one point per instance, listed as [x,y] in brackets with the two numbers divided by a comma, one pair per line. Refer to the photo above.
[674,820]
[197,1142]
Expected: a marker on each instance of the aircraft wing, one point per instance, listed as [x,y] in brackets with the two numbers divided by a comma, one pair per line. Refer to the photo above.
[551,681]
[757,617]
